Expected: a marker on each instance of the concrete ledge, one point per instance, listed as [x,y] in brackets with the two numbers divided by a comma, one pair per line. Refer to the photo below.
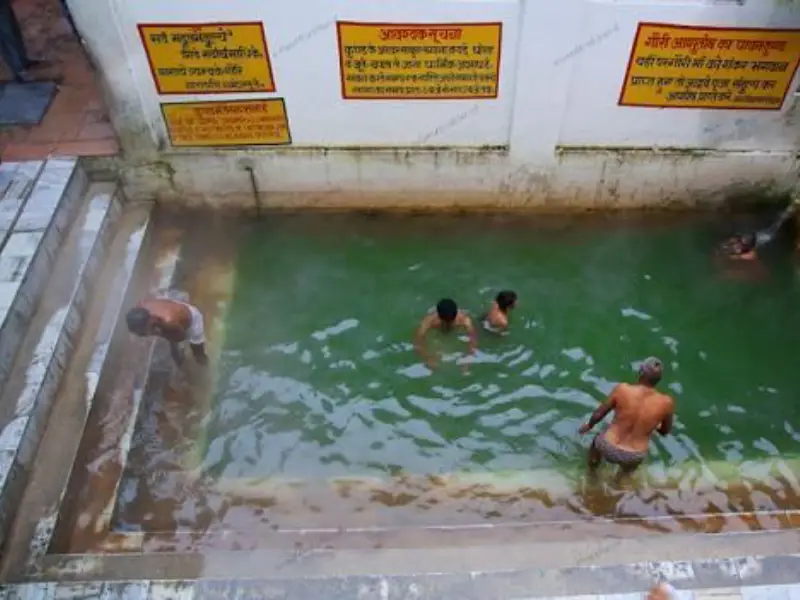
[313,560]
[398,179]
[746,577]
[157,353]
[42,202]
[20,437]
[557,483]
[16,183]
[109,327]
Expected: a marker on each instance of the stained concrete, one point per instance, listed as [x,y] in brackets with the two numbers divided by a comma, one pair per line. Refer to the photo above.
[744,577]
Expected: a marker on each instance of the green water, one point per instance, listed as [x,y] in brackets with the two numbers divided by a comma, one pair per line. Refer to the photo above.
[318,377]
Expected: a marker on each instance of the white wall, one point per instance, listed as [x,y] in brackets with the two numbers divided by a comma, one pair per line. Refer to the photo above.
[307,73]
[563,64]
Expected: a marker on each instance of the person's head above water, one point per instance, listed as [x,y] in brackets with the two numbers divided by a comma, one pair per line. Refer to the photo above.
[506,300]
[739,244]
[747,242]
[650,371]
[447,310]
[138,320]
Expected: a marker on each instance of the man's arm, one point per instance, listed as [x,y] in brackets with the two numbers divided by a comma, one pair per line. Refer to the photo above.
[199,353]
[666,423]
[174,335]
[472,333]
[601,411]
[419,339]
[171,332]
[502,321]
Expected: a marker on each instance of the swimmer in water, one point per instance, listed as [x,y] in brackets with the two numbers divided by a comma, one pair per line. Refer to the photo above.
[741,247]
[497,317]
[446,318]
[639,411]
[172,320]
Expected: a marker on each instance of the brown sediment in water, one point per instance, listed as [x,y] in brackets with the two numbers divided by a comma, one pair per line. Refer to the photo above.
[228,515]
[211,287]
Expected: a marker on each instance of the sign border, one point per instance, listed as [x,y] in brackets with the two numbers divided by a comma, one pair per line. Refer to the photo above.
[702,28]
[237,101]
[400,99]
[268,57]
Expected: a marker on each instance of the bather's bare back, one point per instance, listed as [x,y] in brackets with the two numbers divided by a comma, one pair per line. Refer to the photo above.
[639,410]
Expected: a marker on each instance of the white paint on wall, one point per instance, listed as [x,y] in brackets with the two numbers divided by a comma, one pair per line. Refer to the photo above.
[303,48]
[562,68]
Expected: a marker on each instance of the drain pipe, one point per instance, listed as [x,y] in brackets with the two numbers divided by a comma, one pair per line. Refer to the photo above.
[765,236]
[247,165]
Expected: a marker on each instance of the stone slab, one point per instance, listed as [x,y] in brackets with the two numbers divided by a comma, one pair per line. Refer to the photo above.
[165,273]
[22,434]
[36,226]
[466,586]
[112,313]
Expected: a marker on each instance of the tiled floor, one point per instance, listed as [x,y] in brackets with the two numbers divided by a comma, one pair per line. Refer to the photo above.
[76,124]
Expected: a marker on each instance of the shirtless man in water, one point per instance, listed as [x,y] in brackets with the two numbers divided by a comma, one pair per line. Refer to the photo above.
[172,320]
[639,410]
[446,318]
[497,317]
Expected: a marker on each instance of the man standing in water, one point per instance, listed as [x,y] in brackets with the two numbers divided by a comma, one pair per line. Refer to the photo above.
[639,410]
[173,320]
[497,318]
[446,318]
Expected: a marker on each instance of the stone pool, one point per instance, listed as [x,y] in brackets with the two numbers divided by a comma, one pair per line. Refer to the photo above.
[317,415]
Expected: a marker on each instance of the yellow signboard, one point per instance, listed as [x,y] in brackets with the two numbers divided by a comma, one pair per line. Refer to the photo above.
[680,66]
[391,61]
[234,123]
[208,58]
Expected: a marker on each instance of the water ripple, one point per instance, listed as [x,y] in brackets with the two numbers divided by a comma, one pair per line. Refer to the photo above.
[337,391]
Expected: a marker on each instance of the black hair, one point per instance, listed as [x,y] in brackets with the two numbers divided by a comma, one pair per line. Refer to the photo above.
[447,309]
[138,319]
[506,299]
[651,371]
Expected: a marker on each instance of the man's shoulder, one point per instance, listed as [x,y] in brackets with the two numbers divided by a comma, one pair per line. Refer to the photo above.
[463,317]
[623,389]
[668,400]
[427,320]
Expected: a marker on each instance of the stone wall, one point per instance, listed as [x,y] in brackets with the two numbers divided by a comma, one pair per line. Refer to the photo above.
[561,126]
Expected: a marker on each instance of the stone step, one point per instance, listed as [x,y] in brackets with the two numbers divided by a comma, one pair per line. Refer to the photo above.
[51,334]
[123,260]
[103,355]
[161,279]
[753,576]
[39,201]
[693,475]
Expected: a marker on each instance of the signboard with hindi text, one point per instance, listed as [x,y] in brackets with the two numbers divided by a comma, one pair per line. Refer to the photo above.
[208,58]
[232,123]
[678,66]
[391,61]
